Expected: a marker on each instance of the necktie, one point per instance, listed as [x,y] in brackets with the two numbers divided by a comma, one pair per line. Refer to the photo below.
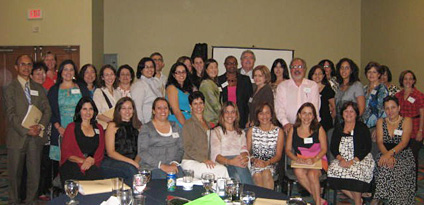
[27,93]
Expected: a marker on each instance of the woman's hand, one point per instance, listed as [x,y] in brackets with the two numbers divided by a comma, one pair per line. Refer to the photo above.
[260,163]
[391,162]
[384,159]
[343,163]
[209,164]
[238,161]
[88,162]
[61,131]
[135,164]
[169,168]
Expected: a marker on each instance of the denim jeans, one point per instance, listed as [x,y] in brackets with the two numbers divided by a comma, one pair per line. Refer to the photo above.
[159,174]
[115,168]
[241,174]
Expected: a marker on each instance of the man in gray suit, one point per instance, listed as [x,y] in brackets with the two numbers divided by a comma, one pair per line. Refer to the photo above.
[23,143]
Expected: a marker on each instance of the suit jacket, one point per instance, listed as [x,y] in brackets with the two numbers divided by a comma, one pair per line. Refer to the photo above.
[17,105]
[53,97]
[244,91]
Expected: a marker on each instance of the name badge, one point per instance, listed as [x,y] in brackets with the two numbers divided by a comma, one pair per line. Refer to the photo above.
[75,91]
[307,90]
[373,92]
[411,99]
[252,81]
[175,135]
[97,131]
[351,132]
[398,132]
[225,84]
[220,89]
[250,100]
[308,140]
[34,92]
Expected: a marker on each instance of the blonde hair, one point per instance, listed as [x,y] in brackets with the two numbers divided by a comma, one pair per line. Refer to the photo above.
[265,72]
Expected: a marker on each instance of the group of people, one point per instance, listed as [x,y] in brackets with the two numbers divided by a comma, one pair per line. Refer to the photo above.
[112,123]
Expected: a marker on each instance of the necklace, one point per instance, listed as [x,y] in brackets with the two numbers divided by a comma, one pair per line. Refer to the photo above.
[393,122]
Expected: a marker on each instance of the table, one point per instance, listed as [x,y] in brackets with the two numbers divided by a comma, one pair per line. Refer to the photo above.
[156,193]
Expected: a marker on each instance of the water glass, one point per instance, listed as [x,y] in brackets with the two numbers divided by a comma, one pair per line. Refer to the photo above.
[248,197]
[71,189]
[125,197]
[146,173]
[229,189]
[207,180]
[188,180]
[220,186]
[117,185]
[139,200]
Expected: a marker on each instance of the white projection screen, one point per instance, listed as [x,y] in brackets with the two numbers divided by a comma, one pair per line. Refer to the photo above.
[264,56]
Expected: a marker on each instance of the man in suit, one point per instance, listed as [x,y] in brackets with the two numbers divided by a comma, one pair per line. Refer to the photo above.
[247,60]
[22,143]
[237,88]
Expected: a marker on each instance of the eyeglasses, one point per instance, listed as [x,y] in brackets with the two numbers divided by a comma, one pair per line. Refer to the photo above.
[297,66]
[326,66]
[232,63]
[180,72]
[25,64]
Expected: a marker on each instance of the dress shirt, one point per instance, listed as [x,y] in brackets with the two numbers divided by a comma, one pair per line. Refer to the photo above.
[144,92]
[100,100]
[290,97]
[162,79]
[250,74]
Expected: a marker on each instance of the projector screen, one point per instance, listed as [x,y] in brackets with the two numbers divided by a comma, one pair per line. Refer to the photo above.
[264,56]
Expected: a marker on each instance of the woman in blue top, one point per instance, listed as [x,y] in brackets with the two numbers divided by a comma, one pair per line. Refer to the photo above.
[178,88]
[63,98]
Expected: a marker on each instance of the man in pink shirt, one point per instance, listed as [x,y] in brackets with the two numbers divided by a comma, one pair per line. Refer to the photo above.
[292,93]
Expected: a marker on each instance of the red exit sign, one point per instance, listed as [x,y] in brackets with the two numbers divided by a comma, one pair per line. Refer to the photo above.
[35,14]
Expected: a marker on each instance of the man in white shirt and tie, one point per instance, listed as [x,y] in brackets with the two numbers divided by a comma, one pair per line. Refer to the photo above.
[247,60]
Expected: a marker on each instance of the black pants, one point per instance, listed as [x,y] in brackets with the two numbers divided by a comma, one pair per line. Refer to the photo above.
[46,175]
[416,147]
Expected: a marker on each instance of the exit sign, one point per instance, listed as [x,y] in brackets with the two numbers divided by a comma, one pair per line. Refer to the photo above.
[35,14]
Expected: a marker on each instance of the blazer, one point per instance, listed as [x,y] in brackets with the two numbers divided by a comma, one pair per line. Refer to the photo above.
[361,140]
[155,149]
[244,91]
[53,96]
[196,143]
[16,106]
[265,94]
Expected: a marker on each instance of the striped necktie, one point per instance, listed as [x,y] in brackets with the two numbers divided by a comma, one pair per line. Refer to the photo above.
[27,93]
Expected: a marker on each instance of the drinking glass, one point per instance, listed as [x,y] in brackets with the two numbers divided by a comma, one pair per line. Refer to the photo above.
[229,189]
[247,197]
[117,185]
[207,180]
[188,180]
[71,189]
[125,197]
[139,183]
[146,173]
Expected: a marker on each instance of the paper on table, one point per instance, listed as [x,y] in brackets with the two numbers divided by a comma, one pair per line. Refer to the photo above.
[96,186]
[113,200]
[263,201]
[109,114]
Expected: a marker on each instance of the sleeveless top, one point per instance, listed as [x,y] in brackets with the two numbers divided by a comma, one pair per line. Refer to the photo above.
[300,142]
[389,141]
[126,140]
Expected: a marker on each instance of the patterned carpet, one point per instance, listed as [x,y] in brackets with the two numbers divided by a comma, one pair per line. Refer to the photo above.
[341,198]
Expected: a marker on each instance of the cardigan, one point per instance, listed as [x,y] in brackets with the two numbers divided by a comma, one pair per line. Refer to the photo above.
[70,146]
[212,100]
[196,146]
[53,96]
[361,140]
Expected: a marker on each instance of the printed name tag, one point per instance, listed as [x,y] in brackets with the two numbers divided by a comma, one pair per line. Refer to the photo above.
[250,100]
[225,84]
[34,92]
[220,89]
[351,132]
[175,135]
[97,131]
[75,91]
[411,99]
[307,90]
[373,92]
[252,81]
[308,140]
[398,132]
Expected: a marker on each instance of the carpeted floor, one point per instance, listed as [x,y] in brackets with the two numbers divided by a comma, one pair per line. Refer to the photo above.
[341,198]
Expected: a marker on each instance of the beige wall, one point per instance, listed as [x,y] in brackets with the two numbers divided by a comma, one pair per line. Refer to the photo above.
[314,29]
[392,34]
[65,22]
[98,31]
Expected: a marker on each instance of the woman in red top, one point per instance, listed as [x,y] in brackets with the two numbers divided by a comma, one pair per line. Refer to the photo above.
[411,103]
[83,144]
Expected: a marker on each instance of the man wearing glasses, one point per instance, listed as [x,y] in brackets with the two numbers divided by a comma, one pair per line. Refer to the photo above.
[293,93]
[158,58]
[247,59]
[22,143]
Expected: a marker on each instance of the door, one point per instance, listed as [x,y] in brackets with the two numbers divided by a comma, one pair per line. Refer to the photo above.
[8,55]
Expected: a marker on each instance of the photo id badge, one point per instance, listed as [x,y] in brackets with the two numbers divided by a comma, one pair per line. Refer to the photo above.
[34,92]
[398,132]
[175,135]
[225,84]
[307,90]
[75,91]
[308,140]
[411,99]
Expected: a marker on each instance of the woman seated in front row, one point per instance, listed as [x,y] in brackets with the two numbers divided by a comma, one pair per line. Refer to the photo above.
[196,132]
[121,142]
[265,142]
[83,144]
[160,142]
[228,144]
[308,140]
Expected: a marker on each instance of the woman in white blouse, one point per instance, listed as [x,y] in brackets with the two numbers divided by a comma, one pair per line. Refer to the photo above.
[228,144]
[107,96]
[146,89]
